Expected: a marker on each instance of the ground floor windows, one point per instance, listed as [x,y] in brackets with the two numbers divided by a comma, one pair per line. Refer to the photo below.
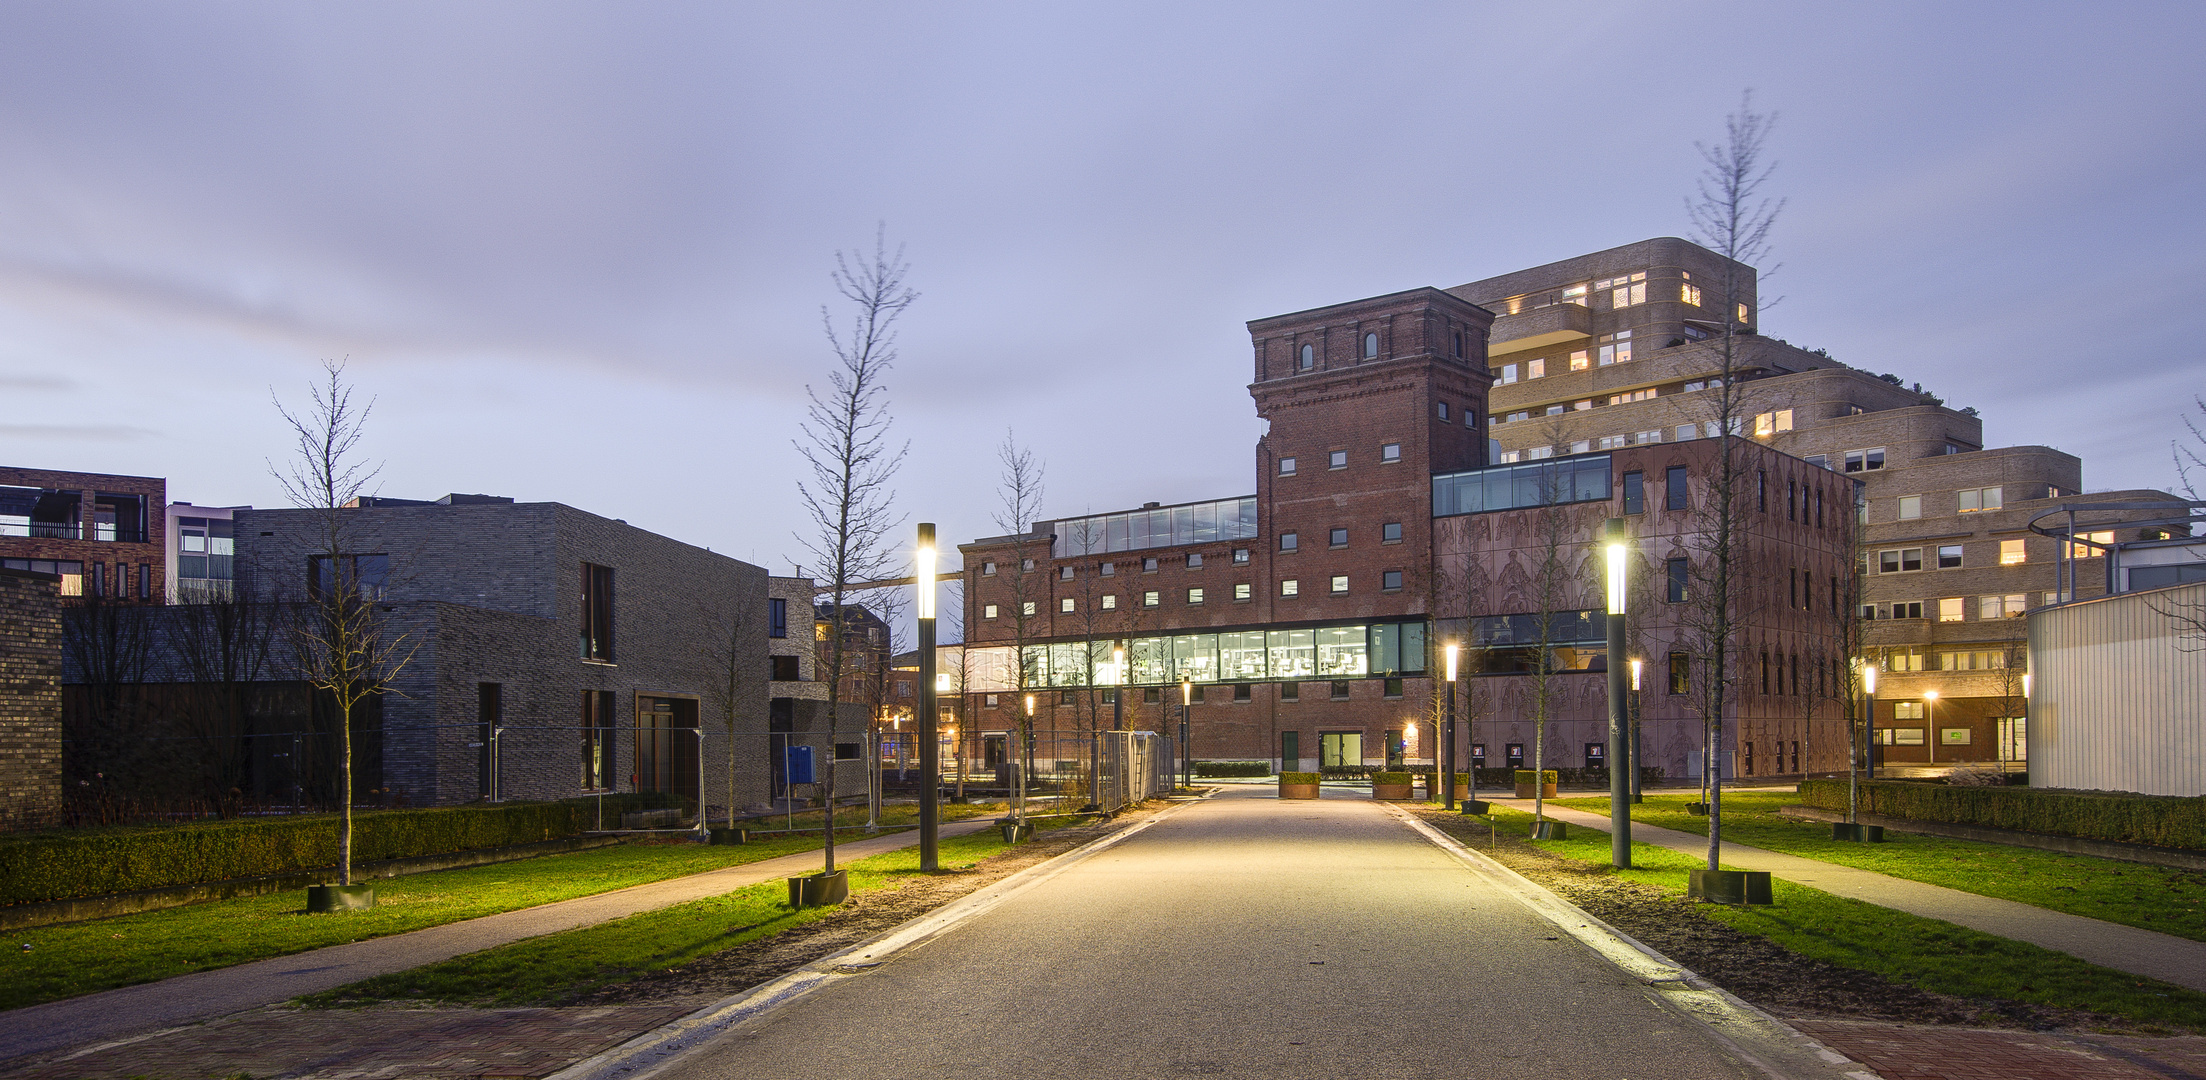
[597,739]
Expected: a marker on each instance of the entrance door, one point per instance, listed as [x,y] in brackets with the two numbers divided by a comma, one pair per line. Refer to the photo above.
[1340,749]
[1290,751]
[1396,747]
[666,745]
[995,748]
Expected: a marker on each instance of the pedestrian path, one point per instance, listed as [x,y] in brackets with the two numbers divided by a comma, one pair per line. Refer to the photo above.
[2170,959]
[126,1011]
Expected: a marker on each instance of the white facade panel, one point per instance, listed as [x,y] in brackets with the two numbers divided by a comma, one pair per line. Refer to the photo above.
[2118,694]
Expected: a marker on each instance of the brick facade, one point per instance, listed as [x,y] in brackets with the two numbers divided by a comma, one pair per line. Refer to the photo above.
[111,526]
[30,700]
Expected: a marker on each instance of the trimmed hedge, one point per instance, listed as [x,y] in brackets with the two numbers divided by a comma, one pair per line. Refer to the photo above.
[72,865]
[1546,776]
[2170,821]
[1233,768]
[1391,777]
[1299,778]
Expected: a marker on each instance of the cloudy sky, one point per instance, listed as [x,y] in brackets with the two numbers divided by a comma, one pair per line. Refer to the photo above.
[577,251]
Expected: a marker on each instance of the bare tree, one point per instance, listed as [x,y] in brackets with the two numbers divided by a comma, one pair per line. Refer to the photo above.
[731,652]
[846,444]
[1731,217]
[342,643]
[107,645]
[1555,588]
[1019,501]
[224,645]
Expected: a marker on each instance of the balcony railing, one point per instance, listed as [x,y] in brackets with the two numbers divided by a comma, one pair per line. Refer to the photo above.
[43,530]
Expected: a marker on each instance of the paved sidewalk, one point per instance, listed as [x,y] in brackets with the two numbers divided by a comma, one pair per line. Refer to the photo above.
[1902,1052]
[130,1010]
[2171,959]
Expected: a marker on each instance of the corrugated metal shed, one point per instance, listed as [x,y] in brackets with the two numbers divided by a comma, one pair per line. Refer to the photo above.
[2118,694]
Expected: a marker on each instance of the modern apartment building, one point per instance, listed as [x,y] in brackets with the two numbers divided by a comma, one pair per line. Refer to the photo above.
[100,533]
[1620,347]
[201,545]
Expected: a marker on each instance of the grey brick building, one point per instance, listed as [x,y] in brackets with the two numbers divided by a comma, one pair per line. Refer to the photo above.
[30,699]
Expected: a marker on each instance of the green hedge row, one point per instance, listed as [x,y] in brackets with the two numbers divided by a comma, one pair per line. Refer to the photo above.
[69,865]
[2159,820]
[1233,768]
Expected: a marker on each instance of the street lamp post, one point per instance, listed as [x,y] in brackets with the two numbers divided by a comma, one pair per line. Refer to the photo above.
[1448,737]
[1637,795]
[1930,726]
[1869,721]
[1019,764]
[1187,702]
[2017,739]
[930,746]
[1620,763]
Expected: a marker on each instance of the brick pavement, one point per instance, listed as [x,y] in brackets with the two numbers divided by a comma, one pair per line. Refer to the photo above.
[368,1044]
[1903,1052]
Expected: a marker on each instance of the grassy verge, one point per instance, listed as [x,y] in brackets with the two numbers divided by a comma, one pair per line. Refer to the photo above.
[2166,899]
[554,967]
[1926,953]
[81,958]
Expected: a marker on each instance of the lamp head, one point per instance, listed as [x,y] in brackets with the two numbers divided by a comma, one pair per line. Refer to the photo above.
[1869,678]
[1636,665]
[923,570]
[2025,684]
[1616,547]
[1454,650]
[1187,691]
[1930,695]
[1030,706]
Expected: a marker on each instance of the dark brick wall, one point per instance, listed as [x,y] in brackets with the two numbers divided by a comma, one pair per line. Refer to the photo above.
[30,700]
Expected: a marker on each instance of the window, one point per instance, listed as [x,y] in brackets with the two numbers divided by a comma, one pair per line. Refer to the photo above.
[1339,538]
[1744,313]
[1370,346]
[1392,688]
[1391,581]
[1026,565]
[1581,446]
[1616,348]
[1975,499]
[1443,410]
[1646,438]
[1291,691]
[1288,540]
[1761,491]
[1903,659]
[1241,692]
[1949,557]
[1689,293]
[1624,291]
[1907,609]
[1535,369]
[1680,575]
[1539,453]
[1340,584]
[1240,556]
[1865,460]
[1149,599]
[1459,343]
[1290,587]
[1508,374]
[1635,395]
[777,617]
[1688,432]
[1242,593]
[1615,442]
[1820,461]
[597,739]
[1952,609]
[786,669]
[1899,560]
[1771,423]
[1635,491]
[1195,595]
[2078,550]
[1306,359]
[597,613]
[1340,691]
[988,611]
[2011,553]
[1065,605]
[1681,673]
[1149,565]
[1470,418]
[1338,459]
[1390,533]
[1064,573]
[1110,601]
[2005,606]
[990,701]
[1286,466]
[1390,452]
[1027,608]
[987,568]
[1194,560]
[1515,416]
[1673,481]
[1109,569]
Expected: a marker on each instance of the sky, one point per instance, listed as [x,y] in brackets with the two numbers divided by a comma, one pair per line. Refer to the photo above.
[578,252]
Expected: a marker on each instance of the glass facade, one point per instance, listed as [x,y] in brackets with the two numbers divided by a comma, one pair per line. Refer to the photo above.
[1511,487]
[1510,644]
[1325,652]
[1167,526]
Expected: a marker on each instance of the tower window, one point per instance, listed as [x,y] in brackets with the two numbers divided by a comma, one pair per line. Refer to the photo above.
[1371,346]
[1307,359]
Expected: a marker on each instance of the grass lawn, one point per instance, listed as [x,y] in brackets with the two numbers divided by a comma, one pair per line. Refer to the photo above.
[546,969]
[2166,899]
[1927,953]
[81,958]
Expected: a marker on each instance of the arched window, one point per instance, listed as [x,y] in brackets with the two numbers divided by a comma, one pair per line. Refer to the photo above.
[1370,346]
[1308,358]
[1459,343]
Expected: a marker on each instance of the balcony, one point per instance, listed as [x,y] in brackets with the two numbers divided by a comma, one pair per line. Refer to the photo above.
[1538,328]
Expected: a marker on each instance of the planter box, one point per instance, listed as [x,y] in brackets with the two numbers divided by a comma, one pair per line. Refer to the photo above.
[819,890]
[1865,834]
[322,899]
[731,836]
[1298,791]
[1476,806]
[1524,789]
[1462,791]
[1550,830]
[1729,886]
[1393,792]
[651,819]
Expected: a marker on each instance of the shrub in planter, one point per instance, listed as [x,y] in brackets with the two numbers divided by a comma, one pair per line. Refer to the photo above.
[1390,785]
[1546,777]
[1233,768]
[1298,785]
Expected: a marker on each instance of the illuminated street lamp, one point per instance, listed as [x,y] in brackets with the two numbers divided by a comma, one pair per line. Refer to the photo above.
[1448,736]
[1637,796]
[1869,725]
[930,747]
[1621,763]
[1930,725]
[1187,701]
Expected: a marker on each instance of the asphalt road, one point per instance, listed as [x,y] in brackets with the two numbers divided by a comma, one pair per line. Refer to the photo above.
[1244,936]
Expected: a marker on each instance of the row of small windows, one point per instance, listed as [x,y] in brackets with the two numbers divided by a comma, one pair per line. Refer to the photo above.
[1389,454]
[1389,581]
[1243,693]
[1306,357]
[1954,608]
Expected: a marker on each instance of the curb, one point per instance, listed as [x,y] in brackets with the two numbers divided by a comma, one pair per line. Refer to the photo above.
[1771,1046]
[648,1053]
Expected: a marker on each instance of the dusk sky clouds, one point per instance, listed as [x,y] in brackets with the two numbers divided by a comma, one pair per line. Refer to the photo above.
[577,251]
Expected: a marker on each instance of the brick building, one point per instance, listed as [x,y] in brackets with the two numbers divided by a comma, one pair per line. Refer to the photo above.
[100,533]
[30,700]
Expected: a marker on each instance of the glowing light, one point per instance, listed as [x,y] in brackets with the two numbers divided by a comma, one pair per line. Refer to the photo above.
[1869,678]
[1453,650]
[925,575]
[1616,579]
[1636,665]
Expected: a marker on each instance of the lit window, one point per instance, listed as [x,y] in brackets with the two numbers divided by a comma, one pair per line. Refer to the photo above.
[1744,314]
[1510,457]
[1195,596]
[1580,360]
[1289,587]
[1624,291]
[1240,556]
[1340,584]
[2011,553]
[1689,293]
[2006,606]
[1242,592]
[1508,374]
[1535,369]
[1679,579]
[1307,359]
[1632,395]
[1771,423]
[1065,605]
[1286,466]
[1616,348]
[1289,541]
[1391,581]
[1975,499]
[1110,601]
[988,611]
[1906,659]
[1391,452]
[1949,557]
[1150,598]
[1027,608]
[1911,507]
[2077,550]
[1338,459]
[1952,609]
